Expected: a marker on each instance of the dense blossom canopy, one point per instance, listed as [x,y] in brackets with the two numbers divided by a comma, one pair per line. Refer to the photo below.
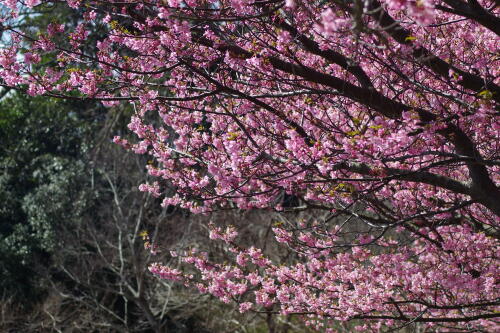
[384,113]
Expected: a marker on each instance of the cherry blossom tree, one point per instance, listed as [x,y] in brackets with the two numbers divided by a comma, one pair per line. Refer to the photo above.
[382,113]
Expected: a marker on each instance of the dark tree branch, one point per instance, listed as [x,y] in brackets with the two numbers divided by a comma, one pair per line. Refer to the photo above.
[474,11]
[330,55]
[427,58]
[432,320]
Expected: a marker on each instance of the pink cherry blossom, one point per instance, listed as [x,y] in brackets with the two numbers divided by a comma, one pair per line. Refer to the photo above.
[383,115]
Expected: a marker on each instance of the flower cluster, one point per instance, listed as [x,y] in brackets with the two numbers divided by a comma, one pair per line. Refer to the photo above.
[382,113]
[382,281]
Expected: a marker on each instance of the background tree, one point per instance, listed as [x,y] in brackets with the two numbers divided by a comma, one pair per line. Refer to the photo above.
[41,179]
[383,114]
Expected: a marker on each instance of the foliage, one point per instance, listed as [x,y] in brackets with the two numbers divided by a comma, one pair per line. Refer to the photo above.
[42,142]
[384,114]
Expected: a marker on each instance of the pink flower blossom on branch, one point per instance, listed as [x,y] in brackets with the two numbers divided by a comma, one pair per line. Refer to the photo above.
[382,114]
